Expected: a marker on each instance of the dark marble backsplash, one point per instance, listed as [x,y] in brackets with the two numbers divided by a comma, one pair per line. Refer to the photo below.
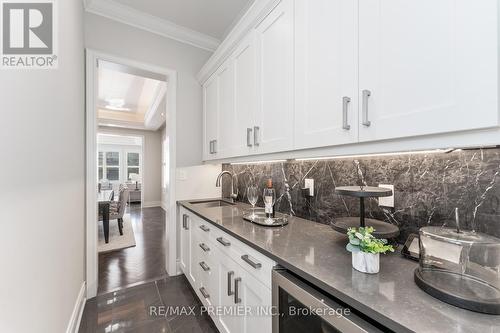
[427,188]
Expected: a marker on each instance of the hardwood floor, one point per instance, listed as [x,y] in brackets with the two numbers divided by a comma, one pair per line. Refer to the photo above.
[145,261]
[145,309]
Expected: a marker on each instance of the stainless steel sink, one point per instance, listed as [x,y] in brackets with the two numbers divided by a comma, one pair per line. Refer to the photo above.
[213,203]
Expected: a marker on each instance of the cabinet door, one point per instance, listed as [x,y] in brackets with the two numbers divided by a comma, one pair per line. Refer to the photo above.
[326,91]
[228,270]
[274,119]
[245,96]
[225,125]
[192,257]
[185,246]
[210,115]
[427,66]
[257,297]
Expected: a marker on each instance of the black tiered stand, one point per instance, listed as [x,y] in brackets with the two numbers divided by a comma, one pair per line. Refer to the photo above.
[382,229]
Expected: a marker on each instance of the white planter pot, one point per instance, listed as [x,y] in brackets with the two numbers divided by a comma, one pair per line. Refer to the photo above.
[366,262]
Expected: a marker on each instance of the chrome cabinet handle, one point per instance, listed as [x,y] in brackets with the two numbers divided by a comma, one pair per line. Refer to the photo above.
[249,134]
[204,266]
[246,258]
[237,298]
[186,225]
[211,147]
[215,146]
[229,278]
[204,247]
[184,221]
[223,241]
[345,104]
[256,134]
[204,228]
[366,95]
[203,291]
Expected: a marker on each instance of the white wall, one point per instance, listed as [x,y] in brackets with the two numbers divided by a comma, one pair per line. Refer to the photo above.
[42,176]
[119,39]
[151,161]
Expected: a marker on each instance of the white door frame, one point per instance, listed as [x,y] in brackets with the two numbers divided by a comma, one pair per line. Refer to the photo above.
[92,56]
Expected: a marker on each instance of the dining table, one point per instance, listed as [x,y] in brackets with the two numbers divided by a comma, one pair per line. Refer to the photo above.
[104,199]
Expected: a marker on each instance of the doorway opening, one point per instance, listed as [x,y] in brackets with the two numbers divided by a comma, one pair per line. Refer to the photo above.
[130,164]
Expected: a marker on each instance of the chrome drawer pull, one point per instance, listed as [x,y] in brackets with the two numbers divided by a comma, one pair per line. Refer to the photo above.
[366,94]
[204,247]
[237,298]
[184,221]
[249,261]
[203,291]
[204,266]
[345,103]
[204,228]
[249,134]
[256,135]
[223,241]
[229,278]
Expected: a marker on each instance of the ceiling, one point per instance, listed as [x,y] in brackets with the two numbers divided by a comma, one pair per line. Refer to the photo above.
[129,98]
[210,17]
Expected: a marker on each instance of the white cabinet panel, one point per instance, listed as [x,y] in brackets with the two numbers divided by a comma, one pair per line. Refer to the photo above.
[326,73]
[428,66]
[258,298]
[185,246]
[210,116]
[229,321]
[245,96]
[225,125]
[274,37]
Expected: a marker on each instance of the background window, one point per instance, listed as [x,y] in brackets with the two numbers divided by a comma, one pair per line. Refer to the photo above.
[133,160]
[100,165]
[109,165]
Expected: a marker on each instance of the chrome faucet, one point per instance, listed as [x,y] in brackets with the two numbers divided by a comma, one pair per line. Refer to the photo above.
[218,183]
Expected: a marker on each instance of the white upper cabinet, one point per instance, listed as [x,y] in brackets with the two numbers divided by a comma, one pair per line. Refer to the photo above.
[210,112]
[225,77]
[245,96]
[326,102]
[427,66]
[323,73]
[274,122]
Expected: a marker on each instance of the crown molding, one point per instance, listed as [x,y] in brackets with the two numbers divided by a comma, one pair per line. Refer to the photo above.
[127,15]
[253,16]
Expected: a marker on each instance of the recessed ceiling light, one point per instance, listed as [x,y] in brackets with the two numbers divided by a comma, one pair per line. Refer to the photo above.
[116,104]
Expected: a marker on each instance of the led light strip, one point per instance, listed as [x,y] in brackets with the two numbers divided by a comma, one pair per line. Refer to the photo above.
[258,162]
[436,151]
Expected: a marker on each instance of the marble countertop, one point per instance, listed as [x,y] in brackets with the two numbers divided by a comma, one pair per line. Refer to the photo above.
[317,253]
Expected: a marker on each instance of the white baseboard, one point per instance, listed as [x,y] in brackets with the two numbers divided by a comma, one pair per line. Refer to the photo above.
[76,315]
[148,204]
[179,270]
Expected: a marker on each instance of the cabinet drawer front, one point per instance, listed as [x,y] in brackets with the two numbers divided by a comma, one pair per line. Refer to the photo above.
[247,258]
[207,281]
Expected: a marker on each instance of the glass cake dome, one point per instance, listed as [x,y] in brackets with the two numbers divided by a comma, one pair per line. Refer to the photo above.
[461,268]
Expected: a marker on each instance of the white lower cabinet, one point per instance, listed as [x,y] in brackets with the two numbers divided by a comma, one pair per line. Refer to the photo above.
[228,276]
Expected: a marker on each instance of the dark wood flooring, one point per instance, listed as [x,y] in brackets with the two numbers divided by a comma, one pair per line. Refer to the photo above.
[145,261]
[139,310]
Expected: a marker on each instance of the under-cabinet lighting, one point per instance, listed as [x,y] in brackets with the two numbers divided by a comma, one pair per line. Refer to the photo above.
[436,151]
[258,162]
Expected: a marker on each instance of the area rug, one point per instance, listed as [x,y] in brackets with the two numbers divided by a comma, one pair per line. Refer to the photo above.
[116,242]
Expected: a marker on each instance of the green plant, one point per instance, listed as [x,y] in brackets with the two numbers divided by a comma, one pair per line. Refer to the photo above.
[361,239]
